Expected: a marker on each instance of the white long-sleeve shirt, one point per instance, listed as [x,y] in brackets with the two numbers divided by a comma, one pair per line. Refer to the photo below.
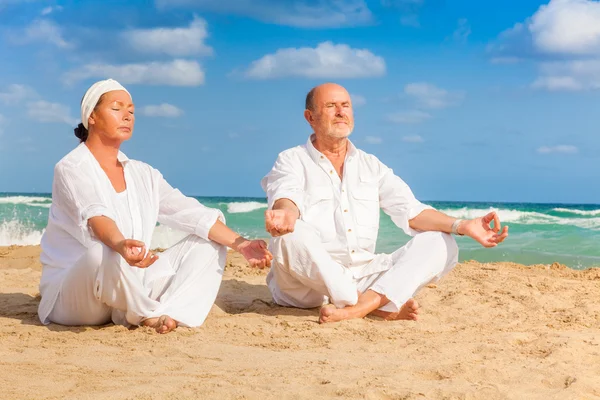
[81,190]
[344,211]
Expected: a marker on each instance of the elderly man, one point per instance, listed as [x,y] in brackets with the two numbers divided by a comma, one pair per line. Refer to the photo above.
[323,215]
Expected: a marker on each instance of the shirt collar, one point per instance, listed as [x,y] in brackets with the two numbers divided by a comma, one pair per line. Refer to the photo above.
[122,158]
[316,154]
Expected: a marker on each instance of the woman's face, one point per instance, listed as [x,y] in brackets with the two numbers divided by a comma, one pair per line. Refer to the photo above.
[113,118]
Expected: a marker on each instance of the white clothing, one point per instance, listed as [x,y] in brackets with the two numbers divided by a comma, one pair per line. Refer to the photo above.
[303,274]
[99,287]
[81,190]
[343,215]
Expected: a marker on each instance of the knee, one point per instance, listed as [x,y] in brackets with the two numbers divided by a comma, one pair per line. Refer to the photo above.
[440,242]
[197,244]
[99,254]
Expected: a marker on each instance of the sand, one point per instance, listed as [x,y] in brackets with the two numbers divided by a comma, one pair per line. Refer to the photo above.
[487,331]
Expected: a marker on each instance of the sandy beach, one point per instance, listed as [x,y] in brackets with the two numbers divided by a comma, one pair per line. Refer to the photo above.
[487,331]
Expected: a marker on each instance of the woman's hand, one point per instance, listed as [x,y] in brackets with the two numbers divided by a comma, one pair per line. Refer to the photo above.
[134,252]
[256,253]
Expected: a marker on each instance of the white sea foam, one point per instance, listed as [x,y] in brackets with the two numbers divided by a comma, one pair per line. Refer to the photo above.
[524,217]
[15,232]
[244,207]
[27,200]
[578,212]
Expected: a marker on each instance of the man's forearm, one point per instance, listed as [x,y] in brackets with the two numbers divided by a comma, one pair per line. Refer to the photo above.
[432,220]
[288,205]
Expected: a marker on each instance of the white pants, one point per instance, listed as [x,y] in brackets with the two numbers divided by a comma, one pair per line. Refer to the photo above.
[304,275]
[183,284]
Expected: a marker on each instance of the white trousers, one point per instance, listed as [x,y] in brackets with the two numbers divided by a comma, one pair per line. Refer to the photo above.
[183,284]
[304,275]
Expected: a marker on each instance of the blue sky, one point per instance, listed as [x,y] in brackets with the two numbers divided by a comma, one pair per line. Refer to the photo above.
[465,100]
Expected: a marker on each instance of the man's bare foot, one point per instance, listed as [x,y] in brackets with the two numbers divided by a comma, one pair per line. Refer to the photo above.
[330,313]
[408,311]
[162,324]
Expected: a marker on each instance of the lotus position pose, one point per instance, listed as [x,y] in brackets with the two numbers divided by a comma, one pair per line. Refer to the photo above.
[323,215]
[95,257]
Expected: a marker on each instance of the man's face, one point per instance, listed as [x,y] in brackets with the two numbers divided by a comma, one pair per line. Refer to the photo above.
[332,115]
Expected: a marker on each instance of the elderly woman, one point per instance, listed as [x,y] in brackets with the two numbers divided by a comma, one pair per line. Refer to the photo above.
[96,265]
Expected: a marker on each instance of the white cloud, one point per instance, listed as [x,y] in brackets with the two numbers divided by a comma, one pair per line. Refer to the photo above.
[162,110]
[326,61]
[564,35]
[44,111]
[409,117]
[569,75]
[567,27]
[555,83]
[298,13]
[564,149]
[413,139]
[44,31]
[50,9]
[373,140]
[462,31]
[16,93]
[358,100]
[175,42]
[174,73]
[431,96]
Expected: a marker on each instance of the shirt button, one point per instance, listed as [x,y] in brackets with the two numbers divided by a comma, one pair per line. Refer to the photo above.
[349,230]
[345,210]
[331,172]
[352,251]
[322,157]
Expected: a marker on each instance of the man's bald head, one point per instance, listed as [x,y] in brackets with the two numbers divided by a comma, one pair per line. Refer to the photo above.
[314,93]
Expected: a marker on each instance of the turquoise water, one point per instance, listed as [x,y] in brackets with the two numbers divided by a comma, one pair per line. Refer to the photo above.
[539,233]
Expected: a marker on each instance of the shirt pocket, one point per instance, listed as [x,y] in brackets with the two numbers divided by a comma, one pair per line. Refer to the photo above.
[365,208]
[365,203]
[319,211]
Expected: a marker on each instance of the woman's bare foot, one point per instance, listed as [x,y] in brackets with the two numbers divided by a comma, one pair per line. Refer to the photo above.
[162,324]
[408,311]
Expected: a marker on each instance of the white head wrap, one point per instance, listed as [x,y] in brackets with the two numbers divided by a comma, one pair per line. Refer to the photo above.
[93,94]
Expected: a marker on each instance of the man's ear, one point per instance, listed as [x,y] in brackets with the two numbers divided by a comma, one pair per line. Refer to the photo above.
[308,116]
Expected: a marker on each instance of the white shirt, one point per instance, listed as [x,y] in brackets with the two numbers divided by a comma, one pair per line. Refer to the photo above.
[81,190]
[344,211]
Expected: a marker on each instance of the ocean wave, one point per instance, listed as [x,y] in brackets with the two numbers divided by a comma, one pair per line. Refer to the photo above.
[244,207]
[15,232]
[578,212]
[32,201]
[524,217]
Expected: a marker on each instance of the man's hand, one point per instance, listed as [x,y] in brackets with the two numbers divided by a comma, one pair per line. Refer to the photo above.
[279,222]
[480,229]
[256,253]
[134,252]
